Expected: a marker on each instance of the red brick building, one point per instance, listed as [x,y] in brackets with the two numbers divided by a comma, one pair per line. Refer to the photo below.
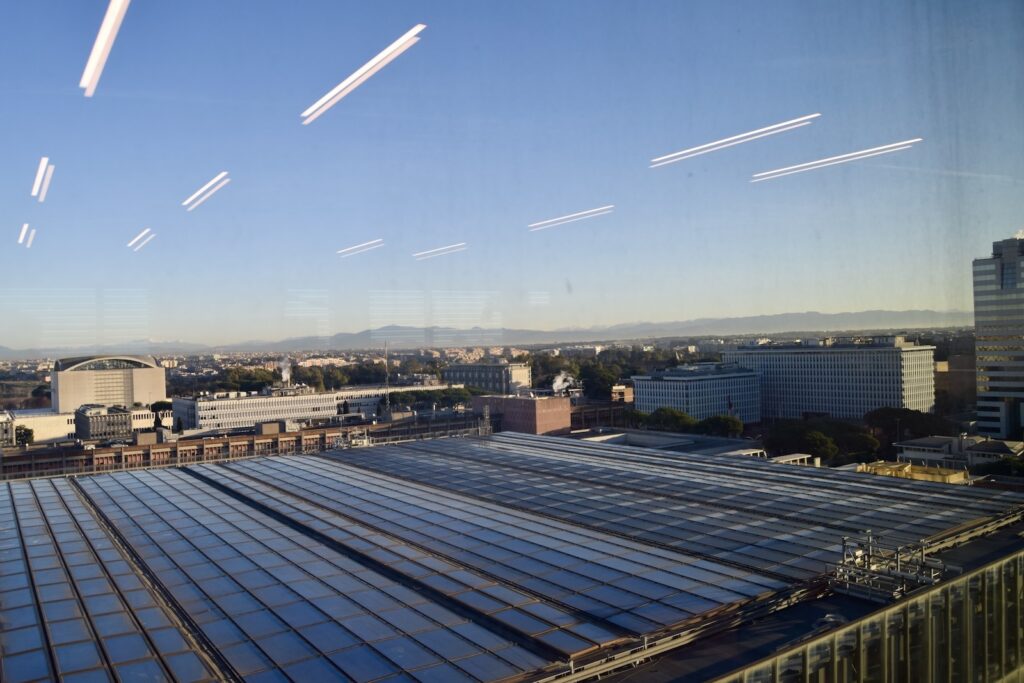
[545,415]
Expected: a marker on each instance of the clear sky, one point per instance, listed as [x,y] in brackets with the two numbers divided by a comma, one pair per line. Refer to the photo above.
[504,114]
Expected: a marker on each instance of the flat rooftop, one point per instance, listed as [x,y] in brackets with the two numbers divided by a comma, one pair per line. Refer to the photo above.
[482,559]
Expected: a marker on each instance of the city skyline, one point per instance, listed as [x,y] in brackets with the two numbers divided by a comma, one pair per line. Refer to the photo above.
[498,122]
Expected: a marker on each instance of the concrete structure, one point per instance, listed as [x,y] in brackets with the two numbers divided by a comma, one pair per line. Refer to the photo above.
[543,415]
[701,390]
[957,452]
[906,470]
[108,381]
[6,429]
[840,378]
[999,339]
[805,459]
[499,378]
[103,422]
[47,426]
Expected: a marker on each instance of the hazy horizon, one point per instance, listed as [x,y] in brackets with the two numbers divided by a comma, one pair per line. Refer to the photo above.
[845,322]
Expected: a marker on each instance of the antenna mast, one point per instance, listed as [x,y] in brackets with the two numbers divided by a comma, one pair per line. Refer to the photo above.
[387,381]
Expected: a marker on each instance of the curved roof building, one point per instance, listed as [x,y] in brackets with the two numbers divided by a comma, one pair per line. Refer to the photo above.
[105,363]
[109,380]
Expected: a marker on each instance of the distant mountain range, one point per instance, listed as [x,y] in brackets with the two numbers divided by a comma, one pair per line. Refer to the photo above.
[414,337]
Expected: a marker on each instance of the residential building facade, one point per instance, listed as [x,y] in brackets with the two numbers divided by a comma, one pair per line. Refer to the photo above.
[840,378]
[499,378]
[701,390]
[999,339]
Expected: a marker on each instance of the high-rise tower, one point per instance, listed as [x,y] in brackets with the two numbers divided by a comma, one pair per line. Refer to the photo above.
[999,333]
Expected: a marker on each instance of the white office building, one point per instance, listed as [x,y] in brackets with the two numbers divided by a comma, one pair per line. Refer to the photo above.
[840,378]
[999,340]
[241,410]
[701,390]
[107,381]
[235,410]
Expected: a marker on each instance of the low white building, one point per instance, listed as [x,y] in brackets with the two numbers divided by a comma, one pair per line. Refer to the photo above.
[241,410]
[840,378]
[701,390]
[47,425]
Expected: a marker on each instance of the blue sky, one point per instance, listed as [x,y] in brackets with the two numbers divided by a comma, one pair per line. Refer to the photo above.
[504,114]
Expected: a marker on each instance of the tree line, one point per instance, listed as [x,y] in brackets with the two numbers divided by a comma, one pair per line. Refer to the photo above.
[672,420]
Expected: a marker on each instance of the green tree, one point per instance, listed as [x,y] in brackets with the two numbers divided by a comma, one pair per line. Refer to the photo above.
[1012,467]
[598,381]
[161,406]
[546,367]
[897,424]
[246,379]
[366,373]
[670,420]
[817,444]
[857,443]
[334,377]
[721,425]
[24,436]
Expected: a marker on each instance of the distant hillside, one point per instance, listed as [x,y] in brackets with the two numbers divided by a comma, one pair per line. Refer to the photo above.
[414,337]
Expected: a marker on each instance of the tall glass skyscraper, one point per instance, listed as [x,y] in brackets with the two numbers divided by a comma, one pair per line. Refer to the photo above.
[999,330]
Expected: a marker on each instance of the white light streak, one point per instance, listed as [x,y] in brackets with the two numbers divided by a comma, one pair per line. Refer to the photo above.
[359,81]
[145,242]
[31,238]
[204,188]
[580,215]
[440,251]
[730,144]
[101,48]
[362,74]
[24,230]
[832,161]
[138,237]
[361,248]
[43,163]
[734,140]
[209,194]
[571,220]
[46,183]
